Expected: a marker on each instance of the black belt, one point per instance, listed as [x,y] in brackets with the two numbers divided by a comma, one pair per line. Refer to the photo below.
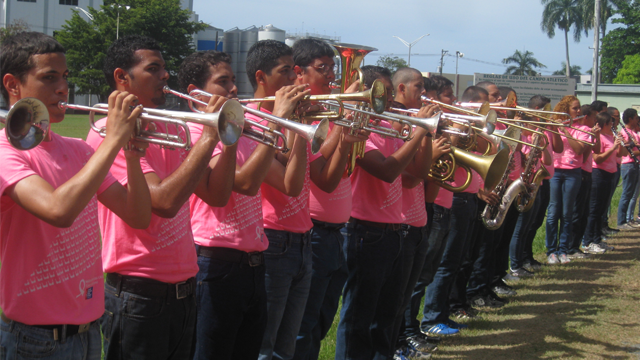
[232,255]
[59,331]
[149,287]
[386,226]
[327,225]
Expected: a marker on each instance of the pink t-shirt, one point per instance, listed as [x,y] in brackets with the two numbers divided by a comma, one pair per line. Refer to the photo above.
[282,212]
[414,212]
[374,199]
[609,165]
[586,164]
[49,275]
[636,139]
[238,225]
[332,208]
[165,250]
[460,177]
[568,159]
[444,198]
[517,166]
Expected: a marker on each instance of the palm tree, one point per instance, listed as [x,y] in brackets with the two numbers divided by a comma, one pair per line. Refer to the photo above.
[607,9]
[574,71]
[525,64]
[564,14]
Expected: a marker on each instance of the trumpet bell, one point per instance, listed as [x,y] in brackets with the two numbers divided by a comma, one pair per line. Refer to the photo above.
[27,123]
[317,134]
[378,97]
[230,122]
[490,168]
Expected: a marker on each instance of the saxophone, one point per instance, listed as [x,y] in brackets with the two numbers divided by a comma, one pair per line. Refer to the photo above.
[493,216]
[525,200]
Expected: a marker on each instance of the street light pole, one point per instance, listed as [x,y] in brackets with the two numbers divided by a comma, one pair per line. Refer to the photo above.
[442,54]
[118,6]
[595,74]
[410,45]
[458,55]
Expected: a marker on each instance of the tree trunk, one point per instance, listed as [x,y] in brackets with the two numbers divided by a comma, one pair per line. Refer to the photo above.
[566,44]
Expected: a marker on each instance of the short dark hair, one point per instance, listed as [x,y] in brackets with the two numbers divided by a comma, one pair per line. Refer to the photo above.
[404,75]
[429,85]
[628,114]
[373,72]
[121,54]
[473,94]
[16,54]
[598,105]
[307,50]
[505,90]
[485,84]
[611,109]
[538,102]
[264,56]
[603,118]
[441,83]
[586,109]
[196,68]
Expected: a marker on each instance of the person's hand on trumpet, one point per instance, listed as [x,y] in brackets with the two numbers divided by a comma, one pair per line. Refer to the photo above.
[288,99]
[121,119]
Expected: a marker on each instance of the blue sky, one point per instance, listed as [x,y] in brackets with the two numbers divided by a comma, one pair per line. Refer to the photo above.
[487,30]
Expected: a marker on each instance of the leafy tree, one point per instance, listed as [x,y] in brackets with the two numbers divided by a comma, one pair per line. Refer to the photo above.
[16,26]
[630,71]
[87,41]
[575,70]
[391,63]
[525,64]
[622,41]
[563,14]
[607,9]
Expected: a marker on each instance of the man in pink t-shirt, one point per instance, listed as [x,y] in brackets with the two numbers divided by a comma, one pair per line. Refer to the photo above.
[230,241]
[329,202]
[149,291]
[51,285]
[374,288]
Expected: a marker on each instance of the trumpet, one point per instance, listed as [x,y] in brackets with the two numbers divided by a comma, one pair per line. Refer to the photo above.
[314,134]
[490,168]
[376,96]
[228,121]
[26,123]
[484,123]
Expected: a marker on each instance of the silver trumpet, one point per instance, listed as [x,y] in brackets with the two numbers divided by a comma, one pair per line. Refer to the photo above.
[314,134]
[27,123]
[229,122]
[441,117]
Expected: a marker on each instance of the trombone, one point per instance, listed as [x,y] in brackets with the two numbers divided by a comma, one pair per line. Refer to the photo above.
[228,121]
[314,134]
[376,96]
[26,123]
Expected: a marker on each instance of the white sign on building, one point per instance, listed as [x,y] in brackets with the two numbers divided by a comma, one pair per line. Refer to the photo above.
[553,87]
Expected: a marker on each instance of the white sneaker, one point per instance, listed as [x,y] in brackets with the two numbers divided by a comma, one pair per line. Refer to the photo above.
[594,248]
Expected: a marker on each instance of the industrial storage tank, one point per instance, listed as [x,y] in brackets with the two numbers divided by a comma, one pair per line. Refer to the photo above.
[231,46]
[248,37]
[270,32]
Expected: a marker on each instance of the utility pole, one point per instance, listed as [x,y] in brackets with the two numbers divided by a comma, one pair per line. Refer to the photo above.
[409,45]
[118,6]
[442,54]
[595,73]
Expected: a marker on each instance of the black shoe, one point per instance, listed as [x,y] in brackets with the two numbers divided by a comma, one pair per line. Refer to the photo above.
[532,265]
[510,277]
[497,298]
[422,343]
[462,313]
[430,338]
[485,302]
[612,229]
[520,273]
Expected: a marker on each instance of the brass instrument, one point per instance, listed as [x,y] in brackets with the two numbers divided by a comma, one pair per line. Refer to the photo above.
[314,134]
[490,168]
[416,121]
[26,123]
[531,179]
[228,121]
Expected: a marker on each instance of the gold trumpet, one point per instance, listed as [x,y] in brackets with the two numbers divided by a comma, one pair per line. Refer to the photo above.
[376,97]
[26,123]
[314,134]
[490,168]
[229,122]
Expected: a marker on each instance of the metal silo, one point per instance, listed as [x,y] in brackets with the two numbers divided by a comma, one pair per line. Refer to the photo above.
[231,46]
[271,32]
[248,37]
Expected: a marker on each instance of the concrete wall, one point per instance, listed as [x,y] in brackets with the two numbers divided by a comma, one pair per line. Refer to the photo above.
[619,96]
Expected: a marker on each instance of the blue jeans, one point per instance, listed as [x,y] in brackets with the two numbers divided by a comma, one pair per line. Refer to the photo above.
[581,212]
[142,327]
[232,309]
[288,278]
[538,220]
[436,300]
[372,293]
[564,186]
[519,237]
[634,200]
[475,275]
[20,341]
[439,229]
[629,174]
[614,185]
[414,251]
[328,277]
[600,191]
